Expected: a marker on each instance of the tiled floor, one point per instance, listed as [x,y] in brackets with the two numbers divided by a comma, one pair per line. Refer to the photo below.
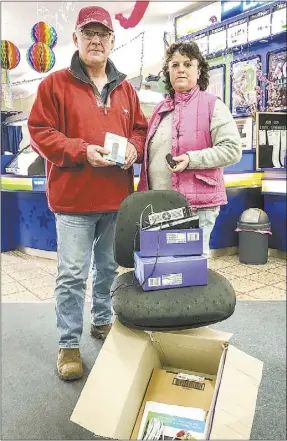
[31,279]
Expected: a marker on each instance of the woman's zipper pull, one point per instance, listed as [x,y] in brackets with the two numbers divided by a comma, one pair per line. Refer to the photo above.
[105,110]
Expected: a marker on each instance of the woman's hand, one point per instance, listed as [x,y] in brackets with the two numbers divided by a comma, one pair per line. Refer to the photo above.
[182,163]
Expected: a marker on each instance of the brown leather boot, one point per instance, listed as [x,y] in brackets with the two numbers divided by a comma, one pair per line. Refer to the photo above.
[69,364]
[100,332]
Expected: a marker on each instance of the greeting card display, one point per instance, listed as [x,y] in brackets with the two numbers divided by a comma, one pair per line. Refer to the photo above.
[245,129]
[277,67]
[244,83]
[216,81]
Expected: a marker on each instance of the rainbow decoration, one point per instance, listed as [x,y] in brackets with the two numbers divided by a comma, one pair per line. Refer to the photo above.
[43,33]
[41,57]
[10,55]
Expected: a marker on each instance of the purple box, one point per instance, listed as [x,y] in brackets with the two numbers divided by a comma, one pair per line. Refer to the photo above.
[170,272]
[171,242]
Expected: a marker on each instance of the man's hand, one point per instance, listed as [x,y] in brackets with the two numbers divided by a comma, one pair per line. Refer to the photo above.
[131,156]
[182,163]
[95,158]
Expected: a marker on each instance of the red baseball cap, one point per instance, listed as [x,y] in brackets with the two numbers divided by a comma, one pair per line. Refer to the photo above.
[94,14]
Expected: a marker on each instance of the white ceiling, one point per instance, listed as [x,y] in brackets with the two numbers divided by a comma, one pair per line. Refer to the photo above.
[18,18]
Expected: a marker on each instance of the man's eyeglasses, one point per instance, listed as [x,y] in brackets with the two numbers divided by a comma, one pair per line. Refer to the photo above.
[88,34]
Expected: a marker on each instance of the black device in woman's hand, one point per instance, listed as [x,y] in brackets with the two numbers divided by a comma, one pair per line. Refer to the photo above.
[171,162]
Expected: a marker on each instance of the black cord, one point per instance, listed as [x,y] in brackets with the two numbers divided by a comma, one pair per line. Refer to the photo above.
[135,281]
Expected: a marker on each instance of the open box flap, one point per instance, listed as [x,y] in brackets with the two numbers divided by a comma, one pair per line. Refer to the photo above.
[207,333]
[112,395]
[237,396]
[197,350]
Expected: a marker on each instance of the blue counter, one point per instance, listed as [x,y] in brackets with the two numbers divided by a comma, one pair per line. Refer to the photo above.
[28,222]
[275,207]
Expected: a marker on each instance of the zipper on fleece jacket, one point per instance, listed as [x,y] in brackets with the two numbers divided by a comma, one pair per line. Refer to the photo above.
[96,92]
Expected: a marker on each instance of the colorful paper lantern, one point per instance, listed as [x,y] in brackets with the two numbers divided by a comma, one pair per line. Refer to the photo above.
[43,33]
[10,55]
[40,57]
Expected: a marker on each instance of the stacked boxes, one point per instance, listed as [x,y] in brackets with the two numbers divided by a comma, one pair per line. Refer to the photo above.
[170,259]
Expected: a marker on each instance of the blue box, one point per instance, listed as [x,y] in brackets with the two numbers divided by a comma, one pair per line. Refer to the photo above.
[155,273]
[171,242]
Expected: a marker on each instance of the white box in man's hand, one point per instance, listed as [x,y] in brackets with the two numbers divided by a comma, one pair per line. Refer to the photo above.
[117,146]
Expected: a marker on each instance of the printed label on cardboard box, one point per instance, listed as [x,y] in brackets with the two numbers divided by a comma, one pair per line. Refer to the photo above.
[175,238]
[189,381]
[154,281]
[190,377]
[192,237]
[172,279]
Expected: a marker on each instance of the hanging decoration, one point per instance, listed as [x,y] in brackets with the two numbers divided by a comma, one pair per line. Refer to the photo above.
[42,32]
[17,83]
[135,46]
[10,58]
[135,17]
[59,16]
[10,55]
[6,90]
[40,57]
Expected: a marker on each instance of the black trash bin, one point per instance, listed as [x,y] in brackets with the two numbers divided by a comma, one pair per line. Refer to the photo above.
[254,230]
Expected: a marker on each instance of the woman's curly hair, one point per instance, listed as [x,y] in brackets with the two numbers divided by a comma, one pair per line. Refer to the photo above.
[190,50]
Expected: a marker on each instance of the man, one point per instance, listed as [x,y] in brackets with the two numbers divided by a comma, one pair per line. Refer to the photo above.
[73,111]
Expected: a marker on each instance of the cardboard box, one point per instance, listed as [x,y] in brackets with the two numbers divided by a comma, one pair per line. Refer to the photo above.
[171,243]
[112,396]
[116,145]
[155,273]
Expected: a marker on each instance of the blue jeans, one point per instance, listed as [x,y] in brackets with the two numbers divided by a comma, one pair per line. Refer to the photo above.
[80,238]
[207,219]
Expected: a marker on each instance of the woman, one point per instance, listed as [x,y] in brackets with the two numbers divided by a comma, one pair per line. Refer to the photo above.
[199,132]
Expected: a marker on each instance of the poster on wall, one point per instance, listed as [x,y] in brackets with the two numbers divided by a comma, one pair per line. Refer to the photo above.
[271,140]
[202,42]
[279,19]
[237,33]
[259,26]
[198,20]
[245,129]
[217,40]
[244,83]
[277,74]
[216,81]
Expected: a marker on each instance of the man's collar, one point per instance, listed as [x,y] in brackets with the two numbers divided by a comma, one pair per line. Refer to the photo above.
[79,70]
